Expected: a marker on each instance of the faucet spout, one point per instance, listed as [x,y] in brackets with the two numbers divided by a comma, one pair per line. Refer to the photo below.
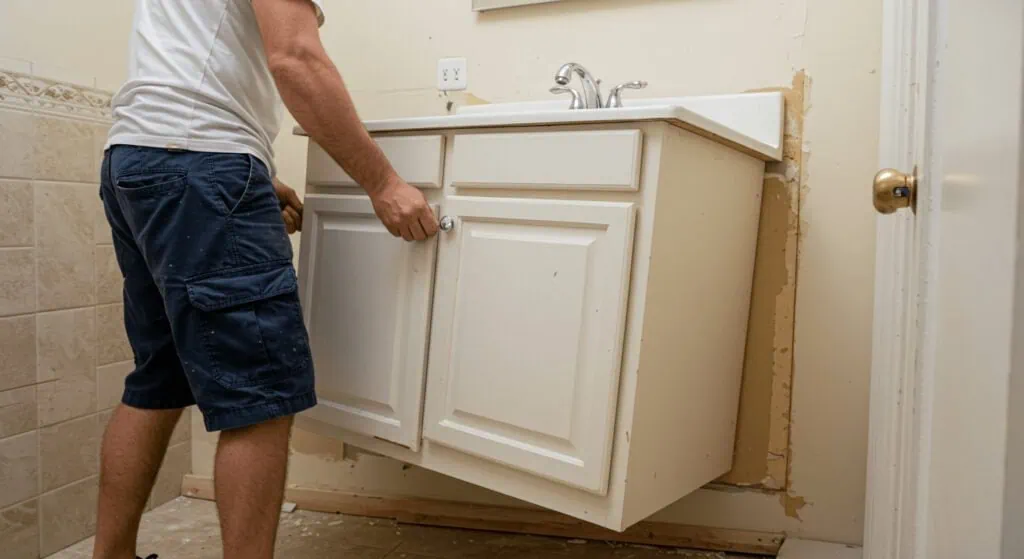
[591,85]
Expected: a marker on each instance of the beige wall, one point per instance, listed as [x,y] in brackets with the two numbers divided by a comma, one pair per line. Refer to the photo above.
[388,49]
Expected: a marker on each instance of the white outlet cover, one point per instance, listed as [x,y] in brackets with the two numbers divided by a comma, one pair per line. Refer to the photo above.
[452,74]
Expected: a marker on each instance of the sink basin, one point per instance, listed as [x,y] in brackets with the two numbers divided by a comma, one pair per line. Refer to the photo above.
[751,122]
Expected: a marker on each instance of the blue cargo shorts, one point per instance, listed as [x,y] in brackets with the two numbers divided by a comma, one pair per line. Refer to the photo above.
[211,304]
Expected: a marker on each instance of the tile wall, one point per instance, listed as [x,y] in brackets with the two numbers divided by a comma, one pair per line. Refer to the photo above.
[63,350]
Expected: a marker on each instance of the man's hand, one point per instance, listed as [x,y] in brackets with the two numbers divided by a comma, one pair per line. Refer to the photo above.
[404,211]
[291,206]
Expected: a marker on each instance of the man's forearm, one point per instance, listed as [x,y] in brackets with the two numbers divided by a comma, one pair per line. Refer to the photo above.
[312,89]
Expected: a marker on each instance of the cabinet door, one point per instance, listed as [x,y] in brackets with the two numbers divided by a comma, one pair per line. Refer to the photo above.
[366,296]
[526,343]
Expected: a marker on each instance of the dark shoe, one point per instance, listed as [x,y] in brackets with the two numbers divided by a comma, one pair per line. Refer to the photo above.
[153,556]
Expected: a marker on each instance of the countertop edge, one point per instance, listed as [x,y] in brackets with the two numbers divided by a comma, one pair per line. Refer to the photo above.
[678,116]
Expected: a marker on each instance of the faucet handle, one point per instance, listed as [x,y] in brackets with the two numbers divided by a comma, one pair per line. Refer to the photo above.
[577,99]
[615,96]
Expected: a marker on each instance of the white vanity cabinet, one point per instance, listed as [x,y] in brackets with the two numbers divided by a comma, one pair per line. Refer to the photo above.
[575,340]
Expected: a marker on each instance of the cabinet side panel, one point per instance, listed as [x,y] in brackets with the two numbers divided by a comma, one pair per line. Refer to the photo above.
[697,301]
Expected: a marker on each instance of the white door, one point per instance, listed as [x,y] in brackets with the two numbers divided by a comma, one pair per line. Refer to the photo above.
[946,455]
[526,344]
[367,297]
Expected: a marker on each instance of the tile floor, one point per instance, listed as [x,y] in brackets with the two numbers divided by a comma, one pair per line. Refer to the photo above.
[187,529]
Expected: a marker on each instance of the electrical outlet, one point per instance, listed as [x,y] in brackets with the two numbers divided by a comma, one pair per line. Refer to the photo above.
[452,74]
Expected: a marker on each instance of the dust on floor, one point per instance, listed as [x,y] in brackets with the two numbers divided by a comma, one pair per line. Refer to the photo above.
[188,529]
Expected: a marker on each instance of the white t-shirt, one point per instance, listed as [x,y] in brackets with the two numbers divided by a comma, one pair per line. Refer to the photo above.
[198,80]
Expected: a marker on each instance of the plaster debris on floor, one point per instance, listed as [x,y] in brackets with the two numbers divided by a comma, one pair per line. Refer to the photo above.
[188,529]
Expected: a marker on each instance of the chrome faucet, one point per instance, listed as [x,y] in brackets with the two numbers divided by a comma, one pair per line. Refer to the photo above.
[591,85]
[591,97]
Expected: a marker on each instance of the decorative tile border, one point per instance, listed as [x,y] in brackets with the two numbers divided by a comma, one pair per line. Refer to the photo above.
[27,92]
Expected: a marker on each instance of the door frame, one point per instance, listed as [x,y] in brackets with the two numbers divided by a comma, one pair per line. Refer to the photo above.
[903,268]
[913,401]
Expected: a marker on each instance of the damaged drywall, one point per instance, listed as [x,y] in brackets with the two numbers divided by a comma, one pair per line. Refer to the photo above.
[762,437]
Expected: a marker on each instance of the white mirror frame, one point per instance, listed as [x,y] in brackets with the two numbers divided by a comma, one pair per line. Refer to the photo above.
[485,5]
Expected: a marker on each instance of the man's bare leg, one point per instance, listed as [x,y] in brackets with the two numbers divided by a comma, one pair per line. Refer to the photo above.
[133,449]
[251,466]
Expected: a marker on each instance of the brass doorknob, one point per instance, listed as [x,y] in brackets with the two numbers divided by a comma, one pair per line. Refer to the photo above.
[895,190]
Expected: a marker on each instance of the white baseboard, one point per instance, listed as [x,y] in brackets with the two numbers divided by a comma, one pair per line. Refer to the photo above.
[807,549]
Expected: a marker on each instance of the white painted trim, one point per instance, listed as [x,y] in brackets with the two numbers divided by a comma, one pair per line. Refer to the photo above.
[897,373]
[808,549]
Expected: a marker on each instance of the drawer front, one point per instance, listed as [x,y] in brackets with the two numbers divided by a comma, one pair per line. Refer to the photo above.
[417,159]
[587,160]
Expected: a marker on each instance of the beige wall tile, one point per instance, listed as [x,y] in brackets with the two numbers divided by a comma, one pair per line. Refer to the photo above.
[101,233]
[63,150]
[108,276]
[65,399]
[68,451]
[99,140]
[66,364]
[17,133]
[66,344]
[16,216]
[104,419]
[17,352]
[19,531]
[17,281]
[67,515]
[112,340]
[19,468]
[110,384]
[177,464]
[18,412]
[65,233]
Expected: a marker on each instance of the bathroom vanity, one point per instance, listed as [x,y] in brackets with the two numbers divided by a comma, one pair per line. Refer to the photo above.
[574,335]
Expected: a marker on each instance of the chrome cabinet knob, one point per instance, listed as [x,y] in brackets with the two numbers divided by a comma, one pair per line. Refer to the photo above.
[447,223]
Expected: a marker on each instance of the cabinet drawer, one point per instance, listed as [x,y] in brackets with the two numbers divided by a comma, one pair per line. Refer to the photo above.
[418,160]
[587,160]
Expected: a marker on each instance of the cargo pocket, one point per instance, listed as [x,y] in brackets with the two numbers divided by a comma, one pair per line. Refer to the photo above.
[251,324]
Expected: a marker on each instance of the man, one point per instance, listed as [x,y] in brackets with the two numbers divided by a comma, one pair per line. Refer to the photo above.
[200,228]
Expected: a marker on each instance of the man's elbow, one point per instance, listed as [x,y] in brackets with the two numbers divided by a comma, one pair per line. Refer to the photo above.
[294,60]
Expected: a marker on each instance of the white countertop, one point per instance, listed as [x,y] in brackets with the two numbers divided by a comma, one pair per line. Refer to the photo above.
[750,122]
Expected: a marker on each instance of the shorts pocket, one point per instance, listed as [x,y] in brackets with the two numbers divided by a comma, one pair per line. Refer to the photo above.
[252,329]
[150,183]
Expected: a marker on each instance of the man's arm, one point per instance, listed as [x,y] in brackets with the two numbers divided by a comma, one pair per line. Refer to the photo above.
[312,89]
